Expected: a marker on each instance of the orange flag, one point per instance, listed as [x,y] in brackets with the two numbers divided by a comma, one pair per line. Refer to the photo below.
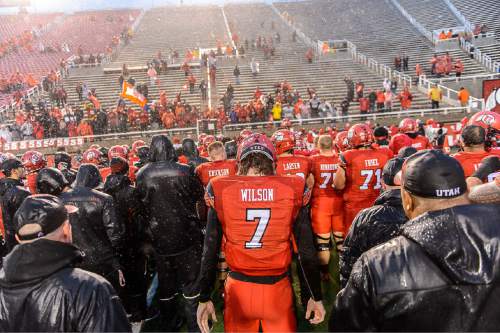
[130,93]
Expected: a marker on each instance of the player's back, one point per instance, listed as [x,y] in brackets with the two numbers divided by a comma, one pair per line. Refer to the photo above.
[257,215]
[470,160]
[293,165]
[364,173]
[323,168]
[421,142]
[209,170]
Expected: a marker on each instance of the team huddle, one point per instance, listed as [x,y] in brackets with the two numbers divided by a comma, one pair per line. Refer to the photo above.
[243,210]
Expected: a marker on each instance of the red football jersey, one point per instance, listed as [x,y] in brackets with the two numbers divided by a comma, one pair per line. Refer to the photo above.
[323,169]
[364,174]
[207,171]
[293,165]
[257,216]
[470,161]
[31,182]
[421,142]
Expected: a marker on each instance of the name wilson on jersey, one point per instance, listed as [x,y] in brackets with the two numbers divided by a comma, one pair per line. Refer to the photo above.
[257,195]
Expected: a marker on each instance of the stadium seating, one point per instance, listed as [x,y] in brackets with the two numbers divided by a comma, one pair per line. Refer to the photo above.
[174,28]
[433,15]
[483,12]
[13,25]
[380,31]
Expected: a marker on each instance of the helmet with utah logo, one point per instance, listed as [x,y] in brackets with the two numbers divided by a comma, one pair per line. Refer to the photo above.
[283,140]
[490,121]
[341,141]
[33,160]
[360,135]
[92,156]
[117,151]
[408,125]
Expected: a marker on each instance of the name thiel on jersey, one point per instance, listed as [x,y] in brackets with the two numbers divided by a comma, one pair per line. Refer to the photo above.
[257,195]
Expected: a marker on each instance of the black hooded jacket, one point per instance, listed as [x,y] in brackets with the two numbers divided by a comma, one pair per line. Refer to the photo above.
[371,227]
[191,152]
[12,195]
[441,274]
[96,230]
[128,208]
[41,291]
[169,192]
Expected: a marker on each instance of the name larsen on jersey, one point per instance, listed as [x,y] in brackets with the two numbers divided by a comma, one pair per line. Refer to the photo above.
[291,166]
[257,194]
[218,172]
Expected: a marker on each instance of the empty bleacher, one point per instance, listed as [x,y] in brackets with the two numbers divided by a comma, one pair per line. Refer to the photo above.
[377,28]
[174,28]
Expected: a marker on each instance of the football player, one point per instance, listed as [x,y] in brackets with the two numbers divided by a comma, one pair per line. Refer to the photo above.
[33,162]
[360,174]
[263,217]
[326,204]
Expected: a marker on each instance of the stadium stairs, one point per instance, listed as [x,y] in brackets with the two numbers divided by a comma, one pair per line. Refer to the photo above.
[483,12]
[376,27]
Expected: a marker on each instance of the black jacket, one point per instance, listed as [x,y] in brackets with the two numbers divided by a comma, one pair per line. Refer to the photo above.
[12,195]
[371,227]
[96,230]
[191,152]
[41,291]
[441,274]
[169,192]
[128,208]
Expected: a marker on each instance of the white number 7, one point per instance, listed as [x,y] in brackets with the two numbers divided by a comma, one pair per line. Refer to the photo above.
[262,216]
[326,178]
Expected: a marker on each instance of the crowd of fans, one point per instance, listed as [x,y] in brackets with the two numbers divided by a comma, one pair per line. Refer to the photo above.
[122,220]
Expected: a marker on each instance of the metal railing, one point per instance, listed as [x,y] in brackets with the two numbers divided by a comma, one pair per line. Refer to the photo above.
[79,140]
[465,78]
[450,96]
[484,59]
[373,65]
[413,21]
[350,118]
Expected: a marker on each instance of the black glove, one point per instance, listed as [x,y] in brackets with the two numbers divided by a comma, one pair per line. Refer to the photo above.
[488,166]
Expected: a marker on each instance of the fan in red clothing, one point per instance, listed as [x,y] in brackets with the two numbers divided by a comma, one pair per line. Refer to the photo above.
[33,162]
[132,156]
[288,163]
[265,214]
[361,172]
[409,127]
[327,216]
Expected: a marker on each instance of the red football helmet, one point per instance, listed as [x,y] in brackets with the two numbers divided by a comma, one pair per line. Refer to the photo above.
[360,135]
[341,141]
[283,140]
[136,144]
[33,161]
[208,140]
[201,138]
[258,143]
[490,121]
[408,125]
[117,151]
[92,156]
[244,134]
